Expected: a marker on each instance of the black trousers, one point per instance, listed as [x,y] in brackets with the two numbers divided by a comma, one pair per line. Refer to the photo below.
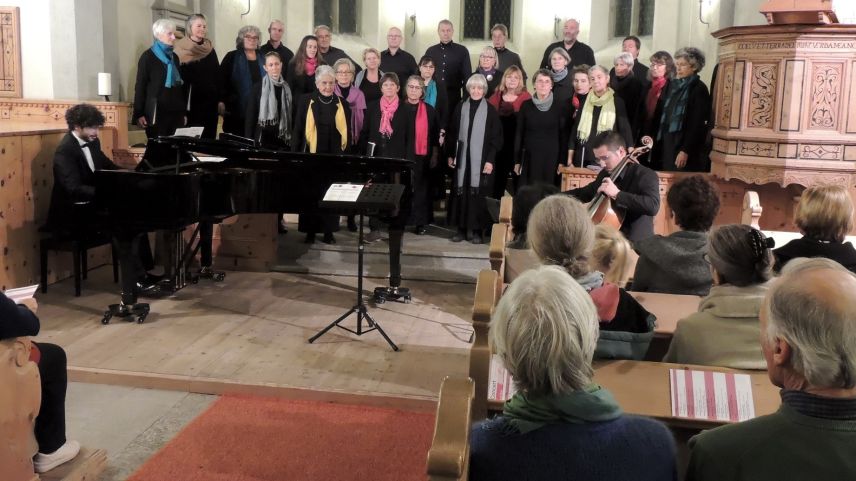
[50,423]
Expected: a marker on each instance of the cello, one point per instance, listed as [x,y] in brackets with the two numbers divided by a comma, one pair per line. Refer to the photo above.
[600,208]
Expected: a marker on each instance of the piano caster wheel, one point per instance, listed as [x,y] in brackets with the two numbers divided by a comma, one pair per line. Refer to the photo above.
[219,276]
[397,294]
[134,312]
[106,319]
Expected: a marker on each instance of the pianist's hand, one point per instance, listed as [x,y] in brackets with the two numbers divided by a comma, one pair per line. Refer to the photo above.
[451,163]
[142,122]
[488,168]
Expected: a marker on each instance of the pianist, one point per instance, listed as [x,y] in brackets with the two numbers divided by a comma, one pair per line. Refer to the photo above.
[77,157]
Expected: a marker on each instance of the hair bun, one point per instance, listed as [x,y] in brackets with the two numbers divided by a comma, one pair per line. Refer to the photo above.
[759,243]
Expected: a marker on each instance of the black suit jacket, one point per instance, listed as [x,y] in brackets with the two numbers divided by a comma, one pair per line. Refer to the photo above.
[639,198]
[74,181]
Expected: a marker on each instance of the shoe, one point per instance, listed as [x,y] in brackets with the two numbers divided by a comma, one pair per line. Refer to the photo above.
[458,237]
[352,224]
[477,238]
[205,271]
[328,238]
[151,279]
[420,230]
[147,290]
[310,238]
[45,462]
[373,236]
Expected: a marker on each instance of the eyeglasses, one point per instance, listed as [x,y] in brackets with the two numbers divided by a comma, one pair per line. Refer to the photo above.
[345,72]
[251,37]
[414,87]
[428,67]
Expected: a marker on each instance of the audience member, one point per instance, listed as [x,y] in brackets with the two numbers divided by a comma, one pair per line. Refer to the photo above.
[322,126]
[626,85]
[613,255]
[650,108]
[328,51]
[276,30]
[824,216]
[560,62]
[675,263]
[452,61]
[579,52]
[636,191]
[300,74]
[724,331]
[518,255]
[240,70]
[199,71]
[489,68]
[422,147]
[475,138]
[631,44]
[808,340]
[507,100]
[582,85]
[561,233]
[542,133]
[507,58]
[160,98]
[54,448]
[268,117]
[368,80]
[683,124]
[559,423]
[394,59]
[601,112]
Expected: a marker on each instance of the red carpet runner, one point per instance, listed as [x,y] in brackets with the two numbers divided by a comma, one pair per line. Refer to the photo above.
[251,438]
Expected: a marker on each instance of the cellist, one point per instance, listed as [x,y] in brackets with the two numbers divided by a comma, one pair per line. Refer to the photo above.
[635,192]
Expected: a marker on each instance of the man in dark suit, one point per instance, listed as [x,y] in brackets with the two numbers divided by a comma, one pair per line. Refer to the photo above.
[275,30]
[636,190]
[71,211]
[453,64]
[328,51]
[581,54]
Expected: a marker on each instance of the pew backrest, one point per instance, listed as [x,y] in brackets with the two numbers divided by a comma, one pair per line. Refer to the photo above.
[449,455]
[20,397]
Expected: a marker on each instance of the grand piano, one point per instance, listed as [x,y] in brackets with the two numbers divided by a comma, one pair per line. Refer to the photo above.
[183,180]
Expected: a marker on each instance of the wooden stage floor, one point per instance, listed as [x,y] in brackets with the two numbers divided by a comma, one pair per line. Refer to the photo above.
[249,334]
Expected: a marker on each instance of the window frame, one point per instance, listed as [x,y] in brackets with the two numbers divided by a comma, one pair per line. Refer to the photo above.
[635,14]
[487,24]
[334,23]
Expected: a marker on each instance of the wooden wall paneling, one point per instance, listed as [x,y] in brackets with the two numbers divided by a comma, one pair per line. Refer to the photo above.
[10,53]
[849,100]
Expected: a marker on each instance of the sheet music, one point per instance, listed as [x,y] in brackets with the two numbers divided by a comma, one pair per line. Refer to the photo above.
[716,396]
[19,294]
[343,192]
[190,131]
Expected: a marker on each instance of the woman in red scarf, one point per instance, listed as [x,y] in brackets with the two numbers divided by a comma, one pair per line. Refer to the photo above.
[648,114]
[507,99]
[300,75]
[422,145]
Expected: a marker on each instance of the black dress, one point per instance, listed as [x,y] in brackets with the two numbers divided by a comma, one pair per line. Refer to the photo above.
[236,91]
[544,135]
[422,206]
[329,141]
[467,209]
[371,90]
[691,138]
[563,90]
[201,77]
[266,135]
[583,154]
[629,89]
[505,158]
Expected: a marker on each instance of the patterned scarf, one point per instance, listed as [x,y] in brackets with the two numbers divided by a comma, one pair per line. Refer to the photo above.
[606,120]
[357,101]
[387,110]
[269,114]
[676,104]
[164,53]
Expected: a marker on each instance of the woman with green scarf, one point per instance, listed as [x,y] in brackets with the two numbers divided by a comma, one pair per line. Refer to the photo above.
[683,123]
[160,101]
[602,111]
[560,424]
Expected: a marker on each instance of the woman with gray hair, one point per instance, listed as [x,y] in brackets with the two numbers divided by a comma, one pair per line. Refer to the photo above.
[199,69]
[683,122]
[625,84]
[561,233]
[160,101]
[475,137]
[240,70]
[724,332]
[563,82]
[321,125]
[545,331]
[489,67]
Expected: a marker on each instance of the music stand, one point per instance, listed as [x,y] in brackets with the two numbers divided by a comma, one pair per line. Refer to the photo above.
[372,197]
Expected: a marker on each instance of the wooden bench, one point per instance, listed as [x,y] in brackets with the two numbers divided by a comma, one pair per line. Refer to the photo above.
[449,456]
[20,398]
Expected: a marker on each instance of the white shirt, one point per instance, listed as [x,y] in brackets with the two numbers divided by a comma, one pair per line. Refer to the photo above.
[86,152]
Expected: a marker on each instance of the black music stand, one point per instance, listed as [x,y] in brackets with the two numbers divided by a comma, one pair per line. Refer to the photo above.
[372,197]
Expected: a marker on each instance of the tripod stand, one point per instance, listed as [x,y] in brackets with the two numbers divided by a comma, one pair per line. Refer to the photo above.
[360,307]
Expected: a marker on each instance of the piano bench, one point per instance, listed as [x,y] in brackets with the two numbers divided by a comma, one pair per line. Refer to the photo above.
[78,245]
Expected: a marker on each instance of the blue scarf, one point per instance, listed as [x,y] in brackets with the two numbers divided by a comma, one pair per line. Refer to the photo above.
[241,79]
[164,53]
[431,93]
[674,109]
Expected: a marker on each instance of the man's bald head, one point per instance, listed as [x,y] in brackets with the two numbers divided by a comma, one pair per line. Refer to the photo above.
[393,38]
[812,308]
[570,30]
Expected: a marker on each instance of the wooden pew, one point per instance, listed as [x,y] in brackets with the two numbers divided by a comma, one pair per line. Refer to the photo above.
[505,204]
[449,456]
[20,398]
[480,355]
[669,309]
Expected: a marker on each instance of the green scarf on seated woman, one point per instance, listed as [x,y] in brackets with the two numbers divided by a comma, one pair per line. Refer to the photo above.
[527,412]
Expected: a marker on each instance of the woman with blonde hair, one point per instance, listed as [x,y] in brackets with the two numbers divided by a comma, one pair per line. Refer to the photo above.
[368,80]
[489,67]
[561,233]
[545,331]
[824,215]
[613,255]
[507,100]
